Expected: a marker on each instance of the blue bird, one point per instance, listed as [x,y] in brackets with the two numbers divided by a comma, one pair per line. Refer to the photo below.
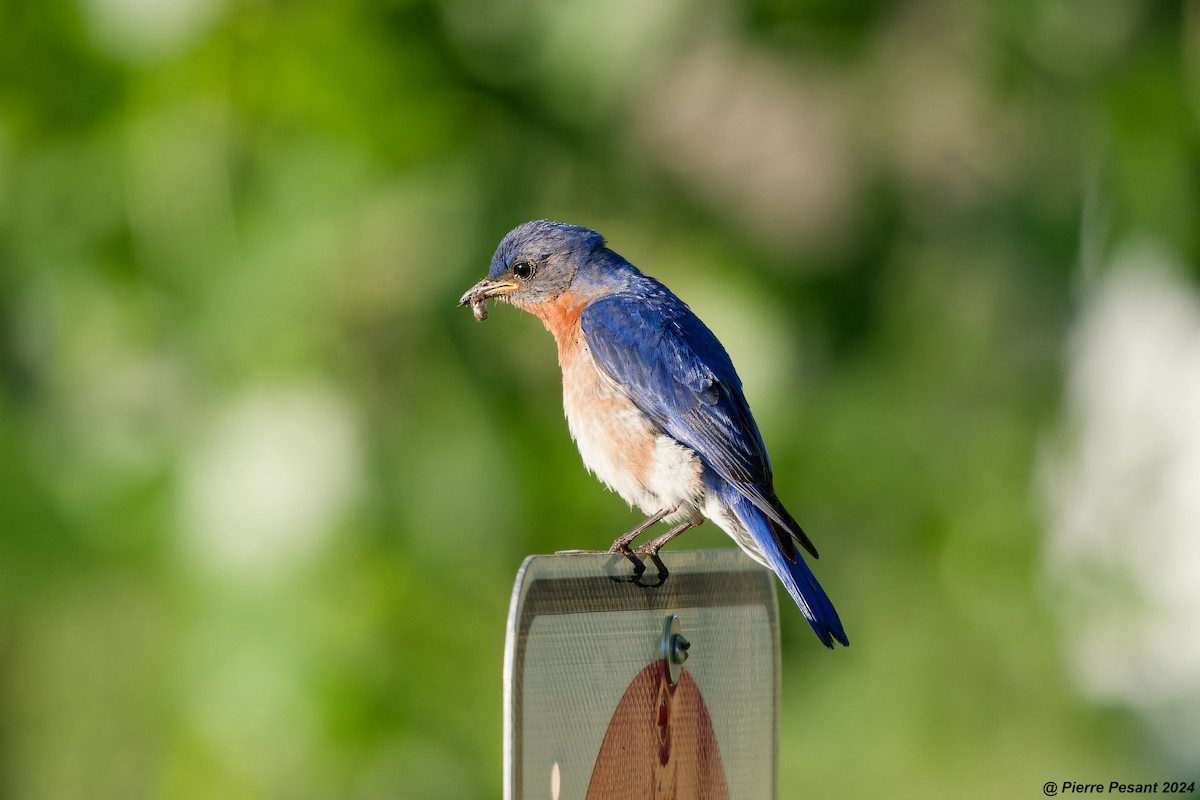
[653,401]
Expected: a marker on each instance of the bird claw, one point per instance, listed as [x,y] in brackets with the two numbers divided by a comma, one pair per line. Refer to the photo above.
[663,573]
[639,568]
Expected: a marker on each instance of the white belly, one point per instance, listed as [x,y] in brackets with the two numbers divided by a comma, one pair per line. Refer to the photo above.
[625,449]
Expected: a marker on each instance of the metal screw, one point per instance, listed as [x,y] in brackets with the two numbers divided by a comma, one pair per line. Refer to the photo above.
[674,647]
[679,648]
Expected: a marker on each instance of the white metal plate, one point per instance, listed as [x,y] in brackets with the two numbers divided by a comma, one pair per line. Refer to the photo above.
[589,708]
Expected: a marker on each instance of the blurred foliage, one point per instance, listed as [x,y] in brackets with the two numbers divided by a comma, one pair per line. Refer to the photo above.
[264,489]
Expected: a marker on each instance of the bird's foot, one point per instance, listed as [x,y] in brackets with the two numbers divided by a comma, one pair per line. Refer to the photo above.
[652,547]
[660,579]
[638,566]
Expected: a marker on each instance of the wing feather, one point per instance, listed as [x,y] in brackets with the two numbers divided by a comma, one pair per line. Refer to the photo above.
[673,368]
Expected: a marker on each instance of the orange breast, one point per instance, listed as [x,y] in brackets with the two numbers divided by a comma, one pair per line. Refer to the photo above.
[561,318]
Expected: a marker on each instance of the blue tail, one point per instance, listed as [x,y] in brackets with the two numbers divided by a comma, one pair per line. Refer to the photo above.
[796,576]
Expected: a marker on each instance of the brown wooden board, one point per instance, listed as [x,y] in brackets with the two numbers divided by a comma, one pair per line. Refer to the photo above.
[591,708]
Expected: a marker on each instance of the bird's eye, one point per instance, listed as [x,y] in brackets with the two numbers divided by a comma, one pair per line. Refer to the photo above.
[523,270]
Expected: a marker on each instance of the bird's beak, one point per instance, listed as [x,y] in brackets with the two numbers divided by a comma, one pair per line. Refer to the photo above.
[478,294]
[486,288]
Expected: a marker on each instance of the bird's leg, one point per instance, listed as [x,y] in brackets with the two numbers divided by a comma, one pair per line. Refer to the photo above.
[652,547]
[621,543]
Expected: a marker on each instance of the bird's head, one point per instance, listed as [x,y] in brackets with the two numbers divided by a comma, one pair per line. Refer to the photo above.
[534,264]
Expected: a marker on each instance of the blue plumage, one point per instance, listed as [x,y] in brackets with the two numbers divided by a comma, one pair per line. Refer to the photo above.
[653,400]
[797,578]
[676,371]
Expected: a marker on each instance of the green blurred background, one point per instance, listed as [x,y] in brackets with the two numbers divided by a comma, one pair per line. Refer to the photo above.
[264,489]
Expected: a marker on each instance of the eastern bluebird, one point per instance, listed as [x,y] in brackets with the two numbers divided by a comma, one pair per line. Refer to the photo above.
[653,401]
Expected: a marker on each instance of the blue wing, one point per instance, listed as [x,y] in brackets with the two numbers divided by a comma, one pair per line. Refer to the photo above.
[674,370]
